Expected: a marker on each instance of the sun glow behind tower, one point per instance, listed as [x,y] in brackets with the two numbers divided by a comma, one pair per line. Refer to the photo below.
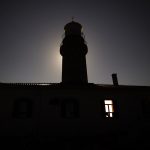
[51,61]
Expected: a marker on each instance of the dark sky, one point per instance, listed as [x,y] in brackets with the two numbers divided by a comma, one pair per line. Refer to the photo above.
[117,34]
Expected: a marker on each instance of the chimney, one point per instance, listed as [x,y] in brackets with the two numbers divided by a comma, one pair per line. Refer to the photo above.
[115,80]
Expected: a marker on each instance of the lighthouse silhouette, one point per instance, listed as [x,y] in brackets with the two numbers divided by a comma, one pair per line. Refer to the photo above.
[73,51]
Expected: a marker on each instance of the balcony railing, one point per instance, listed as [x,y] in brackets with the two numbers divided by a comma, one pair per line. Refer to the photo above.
[82,35]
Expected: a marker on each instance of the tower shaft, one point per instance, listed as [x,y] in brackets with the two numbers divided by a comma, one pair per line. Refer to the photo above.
[73,51]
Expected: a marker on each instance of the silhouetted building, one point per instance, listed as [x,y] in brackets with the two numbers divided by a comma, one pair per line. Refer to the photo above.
[74,114]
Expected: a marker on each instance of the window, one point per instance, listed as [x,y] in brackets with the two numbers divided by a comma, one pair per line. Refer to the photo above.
[145,108]
[70,108]
[109,108]
[22,108]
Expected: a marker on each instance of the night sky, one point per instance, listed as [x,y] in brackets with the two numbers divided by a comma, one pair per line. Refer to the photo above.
[117,35]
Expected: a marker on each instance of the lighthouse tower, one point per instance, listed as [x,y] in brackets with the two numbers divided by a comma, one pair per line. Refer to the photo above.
[73,51]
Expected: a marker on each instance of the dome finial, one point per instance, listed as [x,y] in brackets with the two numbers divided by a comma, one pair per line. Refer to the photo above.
[72,18]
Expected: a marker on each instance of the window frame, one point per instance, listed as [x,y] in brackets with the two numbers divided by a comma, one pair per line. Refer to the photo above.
[116,108]
[109,108]
[76,108]
[18,113]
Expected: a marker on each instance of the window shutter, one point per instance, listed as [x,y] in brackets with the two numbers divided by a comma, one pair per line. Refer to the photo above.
[116,108]
[102,107]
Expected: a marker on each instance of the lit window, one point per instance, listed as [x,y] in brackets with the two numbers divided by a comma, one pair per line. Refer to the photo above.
[109,109]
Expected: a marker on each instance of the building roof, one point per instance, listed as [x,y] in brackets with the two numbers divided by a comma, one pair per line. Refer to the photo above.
[74,86]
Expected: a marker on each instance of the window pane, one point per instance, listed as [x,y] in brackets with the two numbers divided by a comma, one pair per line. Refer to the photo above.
[110,114]
[107,115]
[106,108]
[111,108]
[108,101]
